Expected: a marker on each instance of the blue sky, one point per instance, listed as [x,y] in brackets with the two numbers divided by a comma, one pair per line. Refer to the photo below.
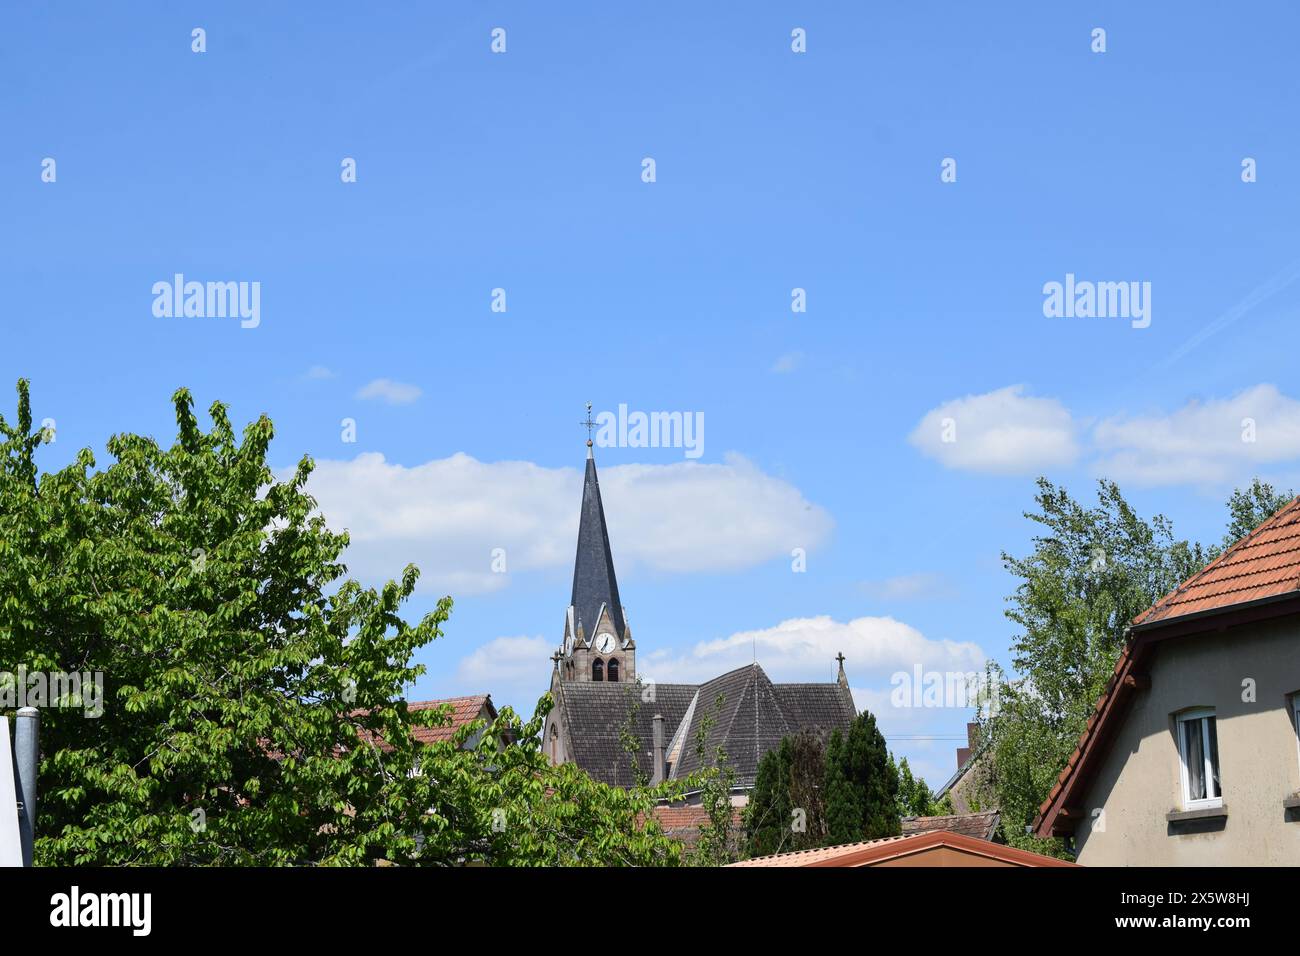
[774,170]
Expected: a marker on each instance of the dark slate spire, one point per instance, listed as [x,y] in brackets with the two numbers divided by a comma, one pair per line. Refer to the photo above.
[594,583]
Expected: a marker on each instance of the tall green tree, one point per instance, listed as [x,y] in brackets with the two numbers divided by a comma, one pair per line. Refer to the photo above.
[253,706]
[786,809]
[769,810]
[861,784]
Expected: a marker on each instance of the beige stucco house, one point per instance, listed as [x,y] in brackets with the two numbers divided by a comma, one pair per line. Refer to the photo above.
[1192,757]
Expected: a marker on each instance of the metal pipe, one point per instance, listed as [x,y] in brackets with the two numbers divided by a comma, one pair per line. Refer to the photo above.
[27,740]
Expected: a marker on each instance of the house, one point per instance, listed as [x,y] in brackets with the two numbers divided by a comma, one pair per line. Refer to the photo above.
[931,848]
[1191,757]
[622,730]
[967,787]
[463,711]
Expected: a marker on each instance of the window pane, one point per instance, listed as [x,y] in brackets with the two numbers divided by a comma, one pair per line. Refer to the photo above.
[1194,757]
[1213,735]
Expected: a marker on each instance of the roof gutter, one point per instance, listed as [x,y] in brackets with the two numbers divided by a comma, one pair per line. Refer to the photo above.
[1255,610]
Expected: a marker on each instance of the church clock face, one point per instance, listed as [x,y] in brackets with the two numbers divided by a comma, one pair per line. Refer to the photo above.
[605,643]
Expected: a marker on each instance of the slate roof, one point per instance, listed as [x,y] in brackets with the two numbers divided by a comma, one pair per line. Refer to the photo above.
[595,713]
[981,826]
[594,583]
[752,718]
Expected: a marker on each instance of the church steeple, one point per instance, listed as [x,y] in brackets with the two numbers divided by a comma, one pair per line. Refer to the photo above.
[594,583]
[598,645]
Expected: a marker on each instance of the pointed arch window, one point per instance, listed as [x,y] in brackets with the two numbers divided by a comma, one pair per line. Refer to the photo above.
[611,671]
[597,669]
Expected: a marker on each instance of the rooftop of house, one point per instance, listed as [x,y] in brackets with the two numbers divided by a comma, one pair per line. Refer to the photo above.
[981,826]
[463,710]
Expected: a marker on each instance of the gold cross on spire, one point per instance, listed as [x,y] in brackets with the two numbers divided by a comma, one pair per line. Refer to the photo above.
[589,424]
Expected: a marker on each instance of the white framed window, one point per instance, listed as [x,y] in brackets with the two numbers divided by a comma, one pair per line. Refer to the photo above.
[1198,751]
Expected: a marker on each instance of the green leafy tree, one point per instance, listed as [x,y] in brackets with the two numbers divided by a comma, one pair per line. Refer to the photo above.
[914,796]
[861,784]
[1091,571]
[627,731]
[253,706]
[718,838]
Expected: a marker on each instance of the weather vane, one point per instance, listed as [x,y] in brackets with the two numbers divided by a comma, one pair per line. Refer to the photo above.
[588,424]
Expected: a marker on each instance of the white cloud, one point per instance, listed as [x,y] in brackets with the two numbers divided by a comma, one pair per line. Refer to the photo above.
[393,393]
[1213,442]
[804,649]
[318,373]
[448,515]
[1003,432]
[508,660]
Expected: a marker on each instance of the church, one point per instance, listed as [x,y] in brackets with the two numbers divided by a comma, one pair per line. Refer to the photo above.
[624,731]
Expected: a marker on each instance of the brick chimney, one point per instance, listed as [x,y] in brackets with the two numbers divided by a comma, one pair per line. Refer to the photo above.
[963,753]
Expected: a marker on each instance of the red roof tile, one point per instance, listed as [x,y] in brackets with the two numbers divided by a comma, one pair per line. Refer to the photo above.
[684,823]
[463,710]
[1263,564]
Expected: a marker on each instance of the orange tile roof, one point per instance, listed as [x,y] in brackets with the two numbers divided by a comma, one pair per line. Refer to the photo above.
[1263,564]
[681,816]
[890,848]
[463,710]
[685,823]
[819,855]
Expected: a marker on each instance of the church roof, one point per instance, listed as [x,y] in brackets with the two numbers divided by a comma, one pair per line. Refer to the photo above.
[751,717]
[595,714]
[594,583]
